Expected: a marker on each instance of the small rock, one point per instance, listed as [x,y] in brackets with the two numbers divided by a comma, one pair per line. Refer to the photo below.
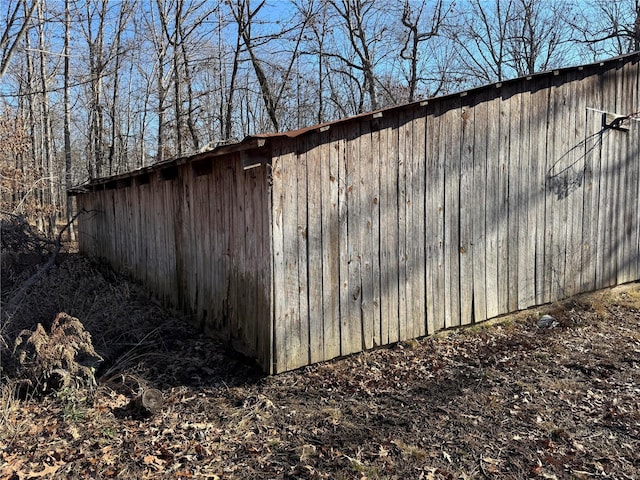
[547,321]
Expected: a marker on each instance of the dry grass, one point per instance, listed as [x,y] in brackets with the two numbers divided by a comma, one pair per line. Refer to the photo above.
[12,424]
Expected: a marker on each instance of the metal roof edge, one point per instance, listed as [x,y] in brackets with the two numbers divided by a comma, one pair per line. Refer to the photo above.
[248,143]
[423,102]
[259,140]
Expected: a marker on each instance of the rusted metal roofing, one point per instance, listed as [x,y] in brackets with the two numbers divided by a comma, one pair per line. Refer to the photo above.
[258,141]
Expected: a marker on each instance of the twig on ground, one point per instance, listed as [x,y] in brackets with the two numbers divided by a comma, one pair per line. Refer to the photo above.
[14,304]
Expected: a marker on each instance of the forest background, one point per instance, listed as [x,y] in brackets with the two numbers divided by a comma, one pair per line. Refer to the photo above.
[92,88]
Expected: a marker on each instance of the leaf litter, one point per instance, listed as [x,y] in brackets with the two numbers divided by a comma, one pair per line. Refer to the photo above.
[500,400]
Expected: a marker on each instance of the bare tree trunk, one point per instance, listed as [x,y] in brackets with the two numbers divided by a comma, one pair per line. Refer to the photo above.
[411,49]
[177,91]
[161,52]
[67,120]
[7,45]
[124,7]
[481,38]
[96,65]
[35,151]
[49,173]
[160,154]
[353,13]
[636,29]
[243,15]
[228,126]
[191,108]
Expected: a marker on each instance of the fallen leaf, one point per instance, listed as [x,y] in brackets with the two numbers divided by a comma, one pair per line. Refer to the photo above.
[492,464]
[383,452]
[73,431]
[48,470]
[308,451]
[154,461]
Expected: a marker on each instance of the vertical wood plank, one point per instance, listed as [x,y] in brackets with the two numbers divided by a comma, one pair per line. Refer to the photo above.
[527,225]
[619,234]
[338,150]
[330,246]
[452,212]
[410,225]
[352,326]
[560,203]
[389,227]
[492,218]
[502,198]
[633,105]
[365,200]
[302,239]
[431,215]
[170,247]
[467,220]
[250,264]
[480,192]
[436,218]
[385,274]
[279,260]
[292,335]
[538,123]
[577,107]
[418,180]
[315,184]
[515,211]
[628,173]
[606,259]
[404,293]
[265,282]
[373,177]
[593,123]
[551,282]
[215,241]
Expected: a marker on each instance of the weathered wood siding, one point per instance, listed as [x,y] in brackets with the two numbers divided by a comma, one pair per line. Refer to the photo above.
[392,225]
[198,236]
[468,207]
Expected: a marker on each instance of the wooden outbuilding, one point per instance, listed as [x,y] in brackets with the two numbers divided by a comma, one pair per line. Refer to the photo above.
[303,246]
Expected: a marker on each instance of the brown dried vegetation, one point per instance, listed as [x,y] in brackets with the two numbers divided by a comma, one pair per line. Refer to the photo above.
[501,400]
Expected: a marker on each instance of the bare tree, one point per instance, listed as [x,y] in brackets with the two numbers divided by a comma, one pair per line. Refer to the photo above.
[608,28]
[362,30]
[67,117]
[16,23]
[481,36]
[508,38]
[137,80]
[48,161]
[315,46]
[228,109]
[272,94]
[125,11]
[412,13]
[96,17]
[244,16]
[160,47]
[537,35]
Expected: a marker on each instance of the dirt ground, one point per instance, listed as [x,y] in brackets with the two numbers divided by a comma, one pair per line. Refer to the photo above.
[501,400]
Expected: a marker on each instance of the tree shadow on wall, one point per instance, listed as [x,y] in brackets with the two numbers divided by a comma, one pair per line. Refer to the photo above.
[566,179]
